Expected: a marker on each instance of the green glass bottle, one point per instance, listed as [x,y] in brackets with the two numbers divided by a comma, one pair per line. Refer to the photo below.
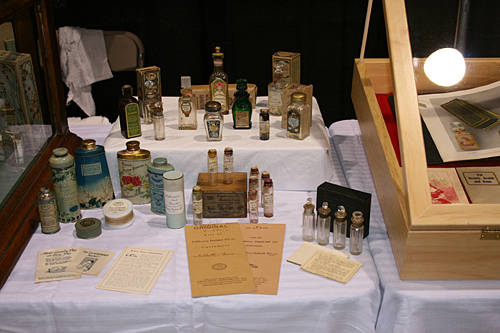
[242,107]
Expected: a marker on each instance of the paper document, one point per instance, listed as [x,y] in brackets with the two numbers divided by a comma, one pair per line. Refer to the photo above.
[90,262]
[331,266]
[52,264]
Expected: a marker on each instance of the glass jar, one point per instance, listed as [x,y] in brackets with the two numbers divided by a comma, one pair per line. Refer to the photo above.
[297,117]
[213,121]
[253,206]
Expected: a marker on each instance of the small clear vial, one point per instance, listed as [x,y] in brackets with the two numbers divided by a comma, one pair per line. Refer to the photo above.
[254,171]
[197,205]
[253,206]
[158,120]
[339,228]
[213,167]
[264,176]
[228,165]
[324,219]
[268,198]
[308,222]
[253,184]
[357,231]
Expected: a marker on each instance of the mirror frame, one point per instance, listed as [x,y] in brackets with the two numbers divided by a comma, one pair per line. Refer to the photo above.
[19,217]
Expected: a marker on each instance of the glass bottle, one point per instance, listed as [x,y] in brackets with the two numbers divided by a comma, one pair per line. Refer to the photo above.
[324,220]
[187,107]
[219,82]
[308,222]
[130,119]
[356,235]
[297,117]
[12,141]
[253,184]
[47,208]
[213,167]
[242,107]
[158,120]
[253,206]
[228,165]
[213,120]
[275,90]
[268,198]
[465,139]
[254,171]
[265,175]
[197,205]
[264,125]
[339,228]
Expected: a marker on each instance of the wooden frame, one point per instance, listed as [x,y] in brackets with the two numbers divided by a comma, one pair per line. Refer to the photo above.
[429,241]
[19,217]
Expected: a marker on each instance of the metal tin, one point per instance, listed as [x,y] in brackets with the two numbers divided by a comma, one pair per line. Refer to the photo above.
[92,175]
[88,228]
[47,208]
[133,170]
[62,165]
[175,207]
[156,169]
[119,214]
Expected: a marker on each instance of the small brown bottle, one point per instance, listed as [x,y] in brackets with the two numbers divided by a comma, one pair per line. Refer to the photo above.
[128,108]
[268,198]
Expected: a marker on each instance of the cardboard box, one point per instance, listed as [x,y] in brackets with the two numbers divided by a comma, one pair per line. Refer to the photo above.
[148,89]
[352,200]
[291,71]
[18,86]
[202,95]
[224,200]
[287,95]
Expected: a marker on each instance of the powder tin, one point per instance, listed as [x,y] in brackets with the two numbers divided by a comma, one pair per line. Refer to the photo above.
[88,228]
[119,214]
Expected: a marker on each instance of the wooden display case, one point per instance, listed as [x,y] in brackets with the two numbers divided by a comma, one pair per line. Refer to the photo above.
[429,241]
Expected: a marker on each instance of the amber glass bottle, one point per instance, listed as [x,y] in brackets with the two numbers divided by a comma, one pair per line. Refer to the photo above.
[130,119]
[219,82]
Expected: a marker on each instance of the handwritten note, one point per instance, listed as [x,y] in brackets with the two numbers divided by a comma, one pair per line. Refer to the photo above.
[331,266]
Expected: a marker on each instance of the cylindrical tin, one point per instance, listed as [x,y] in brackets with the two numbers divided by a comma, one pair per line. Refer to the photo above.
[133,170]
[88,228]
[92,175]
[175,208]
[62,165]
[47,208]
[119,214]
[156,169]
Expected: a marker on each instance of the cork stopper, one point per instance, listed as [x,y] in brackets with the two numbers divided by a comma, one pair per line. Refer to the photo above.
[197,189]
[340,214]
[357,219]
[228,151]
[218,53]
[212,153]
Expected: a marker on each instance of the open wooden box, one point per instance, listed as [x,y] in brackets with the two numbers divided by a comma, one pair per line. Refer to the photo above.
[429,242]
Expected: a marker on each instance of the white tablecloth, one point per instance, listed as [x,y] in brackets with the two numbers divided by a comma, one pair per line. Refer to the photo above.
[413,306]
[305,302]
[295,165]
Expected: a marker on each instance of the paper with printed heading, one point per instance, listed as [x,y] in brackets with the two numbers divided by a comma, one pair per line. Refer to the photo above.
[218,263]
[90,262]
[331,266]
[136,270]
[52,265]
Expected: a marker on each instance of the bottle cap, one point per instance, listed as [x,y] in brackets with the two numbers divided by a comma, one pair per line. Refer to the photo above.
[134,151]
[298,97]
[264,111]
[88,144]
[212,151]
[160,161]
[185,81]
[197,188]
[340,214]
[228,151]
[268,181]
[265,174]
[212,106]
[309,207]
[324,211]
[61,151]
[357,219]
[254,170]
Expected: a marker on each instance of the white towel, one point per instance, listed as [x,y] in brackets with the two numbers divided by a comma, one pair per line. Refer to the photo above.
[83,61]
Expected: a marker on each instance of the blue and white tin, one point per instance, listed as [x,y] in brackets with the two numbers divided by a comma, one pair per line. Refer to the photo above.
[175,206]
[92,175]
[156,169]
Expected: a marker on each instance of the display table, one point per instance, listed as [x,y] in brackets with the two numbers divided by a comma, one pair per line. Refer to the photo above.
[305,302]
[295,165]
[413,306]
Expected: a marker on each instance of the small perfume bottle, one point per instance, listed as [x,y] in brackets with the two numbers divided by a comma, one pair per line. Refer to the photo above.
[264,126]
[242,108]
[253,184]
[265,175]
[12,141]
[308,222]
[465,139]
[268,198]
[323,233]
[187,108]
[130,118]
[357,231]
[213,167]
[197,205]
[156,110]
[339,228]
[275,89]
[297,117]
[228,165]
[253,206]
[214,122]
[47,208]
[219,82]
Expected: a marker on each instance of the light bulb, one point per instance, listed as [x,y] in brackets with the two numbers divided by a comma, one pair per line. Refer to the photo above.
[445,67]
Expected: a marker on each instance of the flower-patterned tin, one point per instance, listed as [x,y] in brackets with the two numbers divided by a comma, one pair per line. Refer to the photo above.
[133,171]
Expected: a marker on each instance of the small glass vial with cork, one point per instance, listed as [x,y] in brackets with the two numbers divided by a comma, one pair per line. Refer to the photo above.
[156,110]
[324,220]
[197,205]
[297,117]
[228,165]
[356,235]
[213,167]
[265,175]
[187,107]
[308,222]
[253,206]
[214,122]
[339,228]
[253,184]
[268,198]
[264,126]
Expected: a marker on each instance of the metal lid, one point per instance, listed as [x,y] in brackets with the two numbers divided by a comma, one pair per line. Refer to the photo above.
[134,152]
[213,106]
[88,228]
[197,188]
[298,97]
[173,175]
[61,151]
[88,144]
[265,174]
[160,161]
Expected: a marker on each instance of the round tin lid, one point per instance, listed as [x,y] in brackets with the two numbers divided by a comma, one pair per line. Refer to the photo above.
[134,152]
[173,175]
[88,228]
